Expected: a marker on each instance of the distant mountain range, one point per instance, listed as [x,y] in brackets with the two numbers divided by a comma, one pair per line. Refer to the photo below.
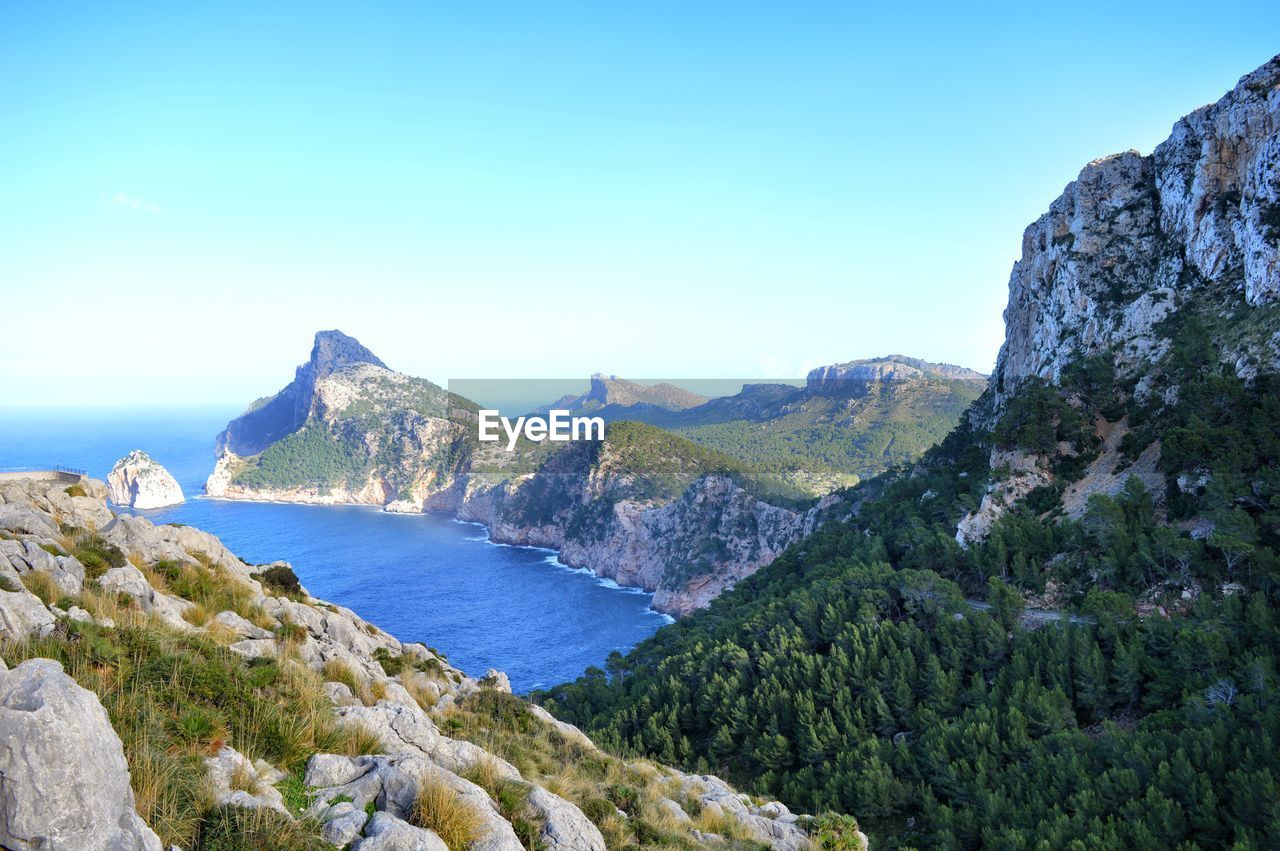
[685,496]
[848,421]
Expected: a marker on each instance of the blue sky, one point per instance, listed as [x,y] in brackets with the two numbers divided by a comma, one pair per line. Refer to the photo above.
[547,190]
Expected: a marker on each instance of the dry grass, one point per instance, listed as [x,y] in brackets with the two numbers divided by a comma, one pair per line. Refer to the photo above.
[245,779]
[357,740]
[441,809]
[420,689]
[42,585]
[196,615]
[221,633]
[337,671]
[376,691]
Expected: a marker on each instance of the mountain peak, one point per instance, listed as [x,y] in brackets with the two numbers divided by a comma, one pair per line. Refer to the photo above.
[888,368]
[612,390]
[334,351]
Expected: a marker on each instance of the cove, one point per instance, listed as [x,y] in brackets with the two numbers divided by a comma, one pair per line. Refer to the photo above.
[421,577]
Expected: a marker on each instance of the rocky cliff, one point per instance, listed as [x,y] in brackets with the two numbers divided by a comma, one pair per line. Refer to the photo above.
[137,481]
[1135,237]
[162,690]
[1132,247]
[346,430]
[644,508]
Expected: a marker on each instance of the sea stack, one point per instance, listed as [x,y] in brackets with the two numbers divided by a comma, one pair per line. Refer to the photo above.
[137,481]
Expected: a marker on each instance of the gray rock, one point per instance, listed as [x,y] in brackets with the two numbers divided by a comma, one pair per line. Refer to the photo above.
[496,680]
[388,833]
[240,626]
[343,824]
[24,519]
[563,824]
[226,764]
[401,728]
[328,769]
[22,614]
[339,694]
[256,648]
[674,810]
[66,782]
[130,581]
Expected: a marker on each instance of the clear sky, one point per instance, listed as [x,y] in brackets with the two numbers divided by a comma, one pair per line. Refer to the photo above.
[652,189]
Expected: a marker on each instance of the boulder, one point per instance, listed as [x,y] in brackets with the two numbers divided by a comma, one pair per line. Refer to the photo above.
[387,833]
[563,825]
[401,728]
[137,481]
[66,782]
[240,626]
[496,680]
[131,582]
[229,768]
[343,824]
[22,614]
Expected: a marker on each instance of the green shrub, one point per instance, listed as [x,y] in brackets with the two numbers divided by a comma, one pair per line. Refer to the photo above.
[97,555]
[281,579]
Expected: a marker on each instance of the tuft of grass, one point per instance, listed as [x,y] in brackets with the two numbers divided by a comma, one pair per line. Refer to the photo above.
[96,554]
[291,635]
[337,671]
[76,490]
[201,727]
[419,690]
[441,809]
[245,779]
[357,740]
[42,585]
[231,828]
[197,615]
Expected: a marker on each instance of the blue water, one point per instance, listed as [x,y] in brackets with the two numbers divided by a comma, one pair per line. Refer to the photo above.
[422,578]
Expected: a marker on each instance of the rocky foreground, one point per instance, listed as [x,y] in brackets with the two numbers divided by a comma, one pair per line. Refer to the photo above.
[160,692]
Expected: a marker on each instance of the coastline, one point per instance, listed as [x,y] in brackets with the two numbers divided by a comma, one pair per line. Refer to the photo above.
[553,559]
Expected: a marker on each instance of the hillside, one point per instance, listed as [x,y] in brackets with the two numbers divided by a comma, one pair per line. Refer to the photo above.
[648,509]
[645,506]
[347,429]
[1060,627]
[849,421]
[156,691]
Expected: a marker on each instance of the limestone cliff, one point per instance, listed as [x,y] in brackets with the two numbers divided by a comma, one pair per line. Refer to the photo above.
[346,430]
[1134,237]
[137,481]
[1134,241]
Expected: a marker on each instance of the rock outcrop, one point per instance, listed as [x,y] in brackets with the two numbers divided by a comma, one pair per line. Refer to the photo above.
[66,782]
[1134,237]
[837,377]
[1131,241]
[137,481]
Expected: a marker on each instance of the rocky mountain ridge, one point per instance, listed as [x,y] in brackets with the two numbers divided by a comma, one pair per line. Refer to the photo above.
[369,435]
[1132,244]
[78,579]
[1135,237]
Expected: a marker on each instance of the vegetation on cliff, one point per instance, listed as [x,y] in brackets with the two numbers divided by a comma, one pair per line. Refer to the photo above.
[851,673]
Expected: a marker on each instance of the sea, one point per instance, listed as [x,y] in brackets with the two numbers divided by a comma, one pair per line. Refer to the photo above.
[427,578]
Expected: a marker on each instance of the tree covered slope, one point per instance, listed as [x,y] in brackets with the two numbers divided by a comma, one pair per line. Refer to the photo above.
[1060,627]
